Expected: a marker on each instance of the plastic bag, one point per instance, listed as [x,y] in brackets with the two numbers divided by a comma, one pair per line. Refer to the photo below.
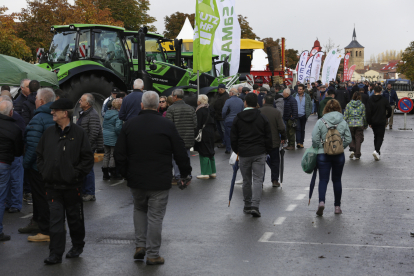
[233,158]
[309,160]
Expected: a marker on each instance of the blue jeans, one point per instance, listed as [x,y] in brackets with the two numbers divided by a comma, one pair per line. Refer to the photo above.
[313,106]
[5,175]
[325,163]
[221,130]
[88,187]
[300,129]
[177,174]
[15,194]
[227,127]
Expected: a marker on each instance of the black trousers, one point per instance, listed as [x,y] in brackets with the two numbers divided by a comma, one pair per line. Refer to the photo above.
[274,162]
[379,132]
[40,207]
[69,202]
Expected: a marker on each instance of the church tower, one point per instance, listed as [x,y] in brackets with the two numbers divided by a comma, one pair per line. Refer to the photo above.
[357,53]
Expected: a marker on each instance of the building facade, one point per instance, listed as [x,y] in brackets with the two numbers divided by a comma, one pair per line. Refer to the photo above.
[356,51]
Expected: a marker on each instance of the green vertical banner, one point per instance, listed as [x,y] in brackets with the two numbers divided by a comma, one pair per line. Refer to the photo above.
[206,22]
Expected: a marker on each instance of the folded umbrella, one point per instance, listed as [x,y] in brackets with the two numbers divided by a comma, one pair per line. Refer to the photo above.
[282,161]
[312,184]
[233,180]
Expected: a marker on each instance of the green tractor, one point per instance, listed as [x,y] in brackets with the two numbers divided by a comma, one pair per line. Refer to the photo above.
[209,80]
[89,58]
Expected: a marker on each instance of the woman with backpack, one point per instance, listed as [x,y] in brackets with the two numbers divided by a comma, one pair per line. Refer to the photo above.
[331,136]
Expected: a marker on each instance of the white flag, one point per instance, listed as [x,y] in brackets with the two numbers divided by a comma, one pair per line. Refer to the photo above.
[227,37]
[316,67]
[308,68]
[335,65]
[327,67]
[302,66]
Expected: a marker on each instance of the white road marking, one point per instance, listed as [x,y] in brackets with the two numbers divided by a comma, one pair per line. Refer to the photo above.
[384,190]
[300,197]
[337,244]
[266,236]
[117,183]
[27,216]
[307,189]
[279,220]
[291,207]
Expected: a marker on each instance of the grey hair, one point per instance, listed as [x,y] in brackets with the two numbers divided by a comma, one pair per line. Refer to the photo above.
[22,82]
[90,98]
[203,99]
[5,107]
[234,91]
[5,98]
[179,93]
[150,100]
[138,84]
[46,94]
[287,91]
[240,86]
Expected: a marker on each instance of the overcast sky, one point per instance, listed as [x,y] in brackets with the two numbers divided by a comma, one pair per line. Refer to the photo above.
[380,24]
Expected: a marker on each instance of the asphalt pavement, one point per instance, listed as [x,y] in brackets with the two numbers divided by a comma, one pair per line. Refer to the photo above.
[202,236]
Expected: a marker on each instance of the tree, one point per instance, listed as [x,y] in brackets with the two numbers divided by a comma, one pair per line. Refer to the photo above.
[174,23]
[133,13]
[292,58]
[39,16]
[10,44]
[268,42]
[331,45]
[407,68]
[246,30]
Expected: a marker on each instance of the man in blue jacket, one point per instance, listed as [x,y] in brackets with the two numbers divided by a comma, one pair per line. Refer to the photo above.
[41,121]
[290,115]
[392,98]
[131,105]
[233,106]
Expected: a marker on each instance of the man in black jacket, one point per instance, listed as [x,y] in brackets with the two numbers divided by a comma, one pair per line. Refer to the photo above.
[290,115]
[64,158]
[218,103]
[251,139]
[11,146]
[24,92]
[29,105]
[131,105]
[137,153]
[342,96]
[378,110]
[90,122]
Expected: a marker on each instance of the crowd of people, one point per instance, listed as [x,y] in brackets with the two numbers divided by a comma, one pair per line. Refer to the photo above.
[47,158]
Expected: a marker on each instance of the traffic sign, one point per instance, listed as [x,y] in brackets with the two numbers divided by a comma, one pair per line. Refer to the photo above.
[405,105]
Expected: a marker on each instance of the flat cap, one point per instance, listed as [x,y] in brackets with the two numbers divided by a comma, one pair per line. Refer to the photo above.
[245,89]
[62,104]
[263,88]
[322,86]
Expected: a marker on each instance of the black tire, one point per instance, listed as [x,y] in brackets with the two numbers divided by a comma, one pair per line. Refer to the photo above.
[97,85]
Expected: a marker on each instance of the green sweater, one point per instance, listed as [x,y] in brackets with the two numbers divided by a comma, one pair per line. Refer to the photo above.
[322,106]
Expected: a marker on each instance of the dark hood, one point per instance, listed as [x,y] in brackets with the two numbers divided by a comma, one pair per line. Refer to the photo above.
[32,97]
[249,115]
[376,98]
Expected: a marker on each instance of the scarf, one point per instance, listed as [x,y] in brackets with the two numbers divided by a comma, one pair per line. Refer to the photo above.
[201,106]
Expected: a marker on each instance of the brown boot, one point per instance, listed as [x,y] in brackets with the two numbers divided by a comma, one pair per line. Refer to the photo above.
[139,253]
[155,261]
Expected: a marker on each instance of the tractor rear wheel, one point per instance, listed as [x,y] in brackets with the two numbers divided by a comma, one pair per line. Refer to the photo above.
[97,85]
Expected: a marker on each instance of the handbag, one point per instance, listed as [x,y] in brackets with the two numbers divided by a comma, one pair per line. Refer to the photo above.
[309,160]
[200,132]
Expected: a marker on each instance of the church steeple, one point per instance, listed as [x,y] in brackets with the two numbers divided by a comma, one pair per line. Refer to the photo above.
[354,35]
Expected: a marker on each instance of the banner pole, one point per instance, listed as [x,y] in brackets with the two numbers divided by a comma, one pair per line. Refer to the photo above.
[198,83]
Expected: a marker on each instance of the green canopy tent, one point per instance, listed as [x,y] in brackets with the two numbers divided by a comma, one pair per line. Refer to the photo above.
[13,70]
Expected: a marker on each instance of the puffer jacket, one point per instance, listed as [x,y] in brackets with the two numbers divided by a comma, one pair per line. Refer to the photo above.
[29,107]
[355,114]
[90,122]
[185,120]
[112,126]
[18,103]
[41,121]
[279,103]
[11,141]
[320,130]
[290,109]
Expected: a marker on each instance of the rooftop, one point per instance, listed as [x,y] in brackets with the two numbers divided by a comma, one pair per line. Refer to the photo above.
[354,43]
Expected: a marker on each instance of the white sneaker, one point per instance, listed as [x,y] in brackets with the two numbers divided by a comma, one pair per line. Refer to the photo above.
[203,177]
[240,181]
[352,155]
[213,176]
[376,155]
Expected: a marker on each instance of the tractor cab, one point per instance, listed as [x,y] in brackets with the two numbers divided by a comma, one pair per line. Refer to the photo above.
[89,44]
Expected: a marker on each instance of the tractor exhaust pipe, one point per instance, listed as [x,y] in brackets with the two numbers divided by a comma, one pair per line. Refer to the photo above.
[142,73]
[177,46]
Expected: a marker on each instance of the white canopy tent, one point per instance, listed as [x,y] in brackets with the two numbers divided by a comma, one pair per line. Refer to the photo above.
[259,60]
[187,31]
